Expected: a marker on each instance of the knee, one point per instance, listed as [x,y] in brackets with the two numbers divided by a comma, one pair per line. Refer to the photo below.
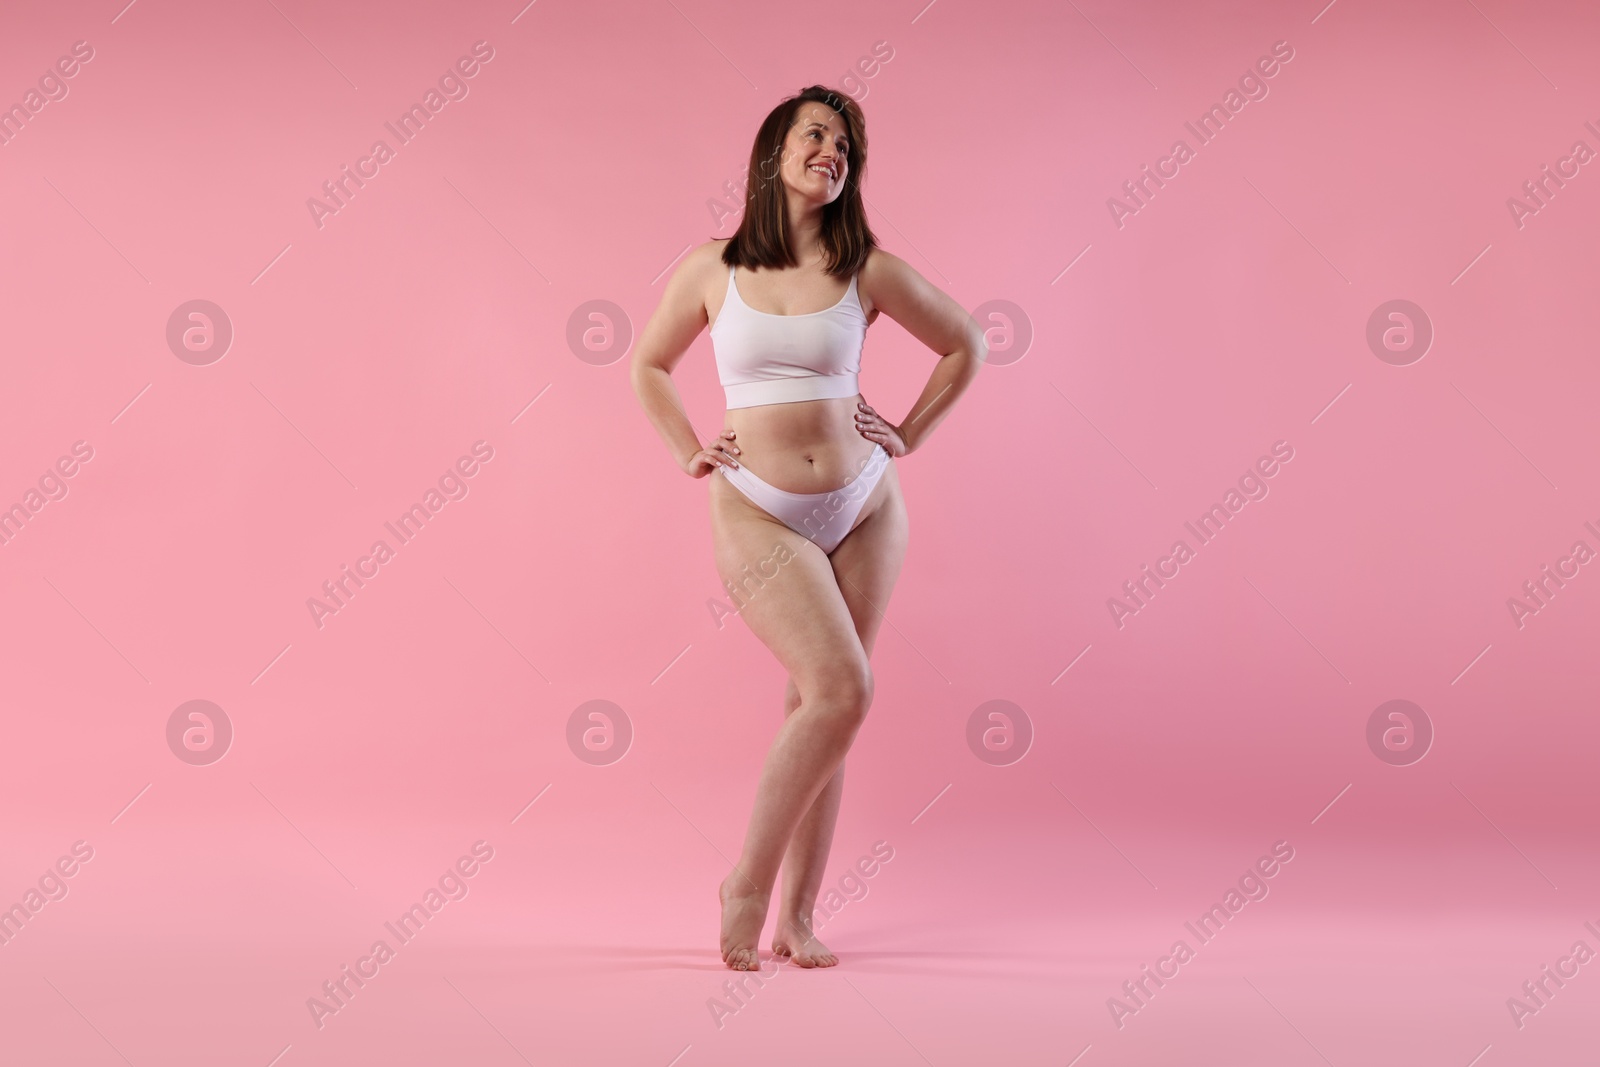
[845,695]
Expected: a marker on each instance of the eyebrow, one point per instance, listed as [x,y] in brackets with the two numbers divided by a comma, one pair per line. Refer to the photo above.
[824,126]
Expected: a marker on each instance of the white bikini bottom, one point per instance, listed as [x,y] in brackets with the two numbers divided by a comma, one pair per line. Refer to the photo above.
[822,518]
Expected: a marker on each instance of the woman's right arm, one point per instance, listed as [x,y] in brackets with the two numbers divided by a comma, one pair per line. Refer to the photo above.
[677,321]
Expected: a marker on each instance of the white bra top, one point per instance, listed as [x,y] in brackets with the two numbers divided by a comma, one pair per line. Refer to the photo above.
[780,359]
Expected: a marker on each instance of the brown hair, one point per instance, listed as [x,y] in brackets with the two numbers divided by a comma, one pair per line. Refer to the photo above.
[762,239]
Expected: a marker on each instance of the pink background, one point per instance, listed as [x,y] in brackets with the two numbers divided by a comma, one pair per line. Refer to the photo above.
[431,311]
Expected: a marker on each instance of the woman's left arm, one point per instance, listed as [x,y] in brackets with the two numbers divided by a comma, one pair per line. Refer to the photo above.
[935,319]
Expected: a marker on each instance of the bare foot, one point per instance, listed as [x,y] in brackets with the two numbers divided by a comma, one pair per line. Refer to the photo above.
[744,912]
[794,939]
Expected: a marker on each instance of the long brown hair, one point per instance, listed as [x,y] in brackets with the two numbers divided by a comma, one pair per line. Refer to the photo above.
[762,239]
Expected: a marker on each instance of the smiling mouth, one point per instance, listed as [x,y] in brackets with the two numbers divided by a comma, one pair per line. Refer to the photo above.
[819,169]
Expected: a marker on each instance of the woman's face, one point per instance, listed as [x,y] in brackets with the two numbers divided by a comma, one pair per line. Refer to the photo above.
[816,154]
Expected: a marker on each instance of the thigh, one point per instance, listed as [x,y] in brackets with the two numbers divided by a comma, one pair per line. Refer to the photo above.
[867,562]
[784,589]
[866,566]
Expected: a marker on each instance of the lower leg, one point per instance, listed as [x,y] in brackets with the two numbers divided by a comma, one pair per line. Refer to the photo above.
[803,867]
[807,857]
[804,757]
[806,754]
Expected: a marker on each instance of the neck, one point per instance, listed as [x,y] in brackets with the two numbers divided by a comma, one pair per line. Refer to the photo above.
[805,231]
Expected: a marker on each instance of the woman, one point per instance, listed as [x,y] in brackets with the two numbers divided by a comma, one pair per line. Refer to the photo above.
[804,479]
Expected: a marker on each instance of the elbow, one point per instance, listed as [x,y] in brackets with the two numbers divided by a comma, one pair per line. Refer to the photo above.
[978,347]
[975,344]
[638,376]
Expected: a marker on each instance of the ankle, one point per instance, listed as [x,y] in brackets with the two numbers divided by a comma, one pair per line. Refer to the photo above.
[792,921]
[738,887]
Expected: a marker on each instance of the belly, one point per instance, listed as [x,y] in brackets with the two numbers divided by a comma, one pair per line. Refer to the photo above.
[811,446]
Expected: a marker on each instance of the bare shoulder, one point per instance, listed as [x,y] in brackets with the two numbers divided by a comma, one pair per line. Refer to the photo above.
[683,310]
[710,252]
[691,281]
[701,258]
[712,249]
[879,261]
[877,276]
[891,283]
[928,313]
[703,265]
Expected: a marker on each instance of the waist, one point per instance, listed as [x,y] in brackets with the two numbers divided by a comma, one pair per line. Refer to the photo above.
[808,447]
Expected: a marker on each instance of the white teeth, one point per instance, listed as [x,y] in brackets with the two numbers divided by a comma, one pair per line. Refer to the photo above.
[823,170]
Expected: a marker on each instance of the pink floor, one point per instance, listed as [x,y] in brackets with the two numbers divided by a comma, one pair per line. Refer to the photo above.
[967,947]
